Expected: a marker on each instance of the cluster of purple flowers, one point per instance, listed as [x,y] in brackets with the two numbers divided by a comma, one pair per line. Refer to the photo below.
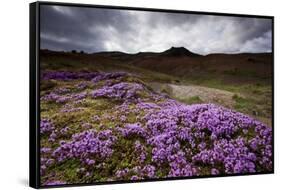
[120,91]
[147,105]
[108,76]
[213,136]
[137,172]
[71,75]
[133,130]
[87,146]
[68,75]
[46,126]
[63,98]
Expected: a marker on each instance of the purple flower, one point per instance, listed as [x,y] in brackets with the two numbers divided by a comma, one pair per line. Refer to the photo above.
[46,126]
[133,129]
[214,171]
[45,150]
[134,177]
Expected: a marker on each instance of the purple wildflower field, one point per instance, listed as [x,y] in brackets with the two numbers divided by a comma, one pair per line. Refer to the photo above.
[111,126]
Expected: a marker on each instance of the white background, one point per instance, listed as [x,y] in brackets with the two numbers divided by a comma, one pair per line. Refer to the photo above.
[14,73]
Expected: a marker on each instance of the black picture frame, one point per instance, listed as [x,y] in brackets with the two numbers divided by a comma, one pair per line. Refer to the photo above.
[34,90]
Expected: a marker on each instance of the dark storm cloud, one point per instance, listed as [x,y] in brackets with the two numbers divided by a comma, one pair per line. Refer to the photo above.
[93,29]
[66,28]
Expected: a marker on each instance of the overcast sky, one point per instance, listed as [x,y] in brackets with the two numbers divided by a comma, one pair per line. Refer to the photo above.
[94,29]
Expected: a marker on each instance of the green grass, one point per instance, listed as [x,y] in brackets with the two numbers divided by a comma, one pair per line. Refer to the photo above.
[242,103]
[241,72]
[252,106]
[191,100]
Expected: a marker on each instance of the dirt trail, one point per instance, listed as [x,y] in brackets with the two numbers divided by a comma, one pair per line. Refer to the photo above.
[206,94]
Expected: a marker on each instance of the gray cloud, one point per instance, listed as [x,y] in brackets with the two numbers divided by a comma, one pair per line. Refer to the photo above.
[95,29]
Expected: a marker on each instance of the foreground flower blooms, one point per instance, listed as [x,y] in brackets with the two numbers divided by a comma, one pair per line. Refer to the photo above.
[112,128]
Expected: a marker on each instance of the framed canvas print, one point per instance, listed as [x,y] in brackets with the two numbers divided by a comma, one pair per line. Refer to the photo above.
[122,94]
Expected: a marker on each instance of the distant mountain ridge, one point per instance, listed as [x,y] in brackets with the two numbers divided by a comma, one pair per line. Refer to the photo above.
[179,51]
[173,51]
